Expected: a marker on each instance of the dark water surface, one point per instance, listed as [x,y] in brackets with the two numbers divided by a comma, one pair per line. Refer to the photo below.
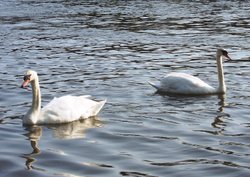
[110,49]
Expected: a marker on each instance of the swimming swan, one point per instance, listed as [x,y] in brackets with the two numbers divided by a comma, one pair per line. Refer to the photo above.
[181,83]
[60,110]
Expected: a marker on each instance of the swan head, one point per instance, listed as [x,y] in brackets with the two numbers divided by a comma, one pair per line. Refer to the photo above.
[30,76]
[222,52]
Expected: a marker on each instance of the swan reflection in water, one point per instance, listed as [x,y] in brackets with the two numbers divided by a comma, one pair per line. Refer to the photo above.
[72,130]
[34,134]
[219,121]
[76,129]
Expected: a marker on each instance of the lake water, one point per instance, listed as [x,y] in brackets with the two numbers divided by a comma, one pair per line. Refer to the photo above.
[110,49]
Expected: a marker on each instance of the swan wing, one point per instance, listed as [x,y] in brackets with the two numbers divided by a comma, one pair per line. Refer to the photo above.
[181,83]
[70,108]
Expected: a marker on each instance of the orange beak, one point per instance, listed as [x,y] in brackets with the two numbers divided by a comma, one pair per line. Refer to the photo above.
[25,83]
[226,55]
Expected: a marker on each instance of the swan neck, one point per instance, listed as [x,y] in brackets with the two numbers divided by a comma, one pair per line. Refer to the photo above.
[33,114]
[222,85]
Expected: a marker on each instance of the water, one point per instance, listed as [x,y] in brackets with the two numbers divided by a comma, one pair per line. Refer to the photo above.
[110,49]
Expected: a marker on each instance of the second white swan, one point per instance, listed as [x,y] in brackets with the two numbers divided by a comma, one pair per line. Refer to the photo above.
[181,83]
[60,110]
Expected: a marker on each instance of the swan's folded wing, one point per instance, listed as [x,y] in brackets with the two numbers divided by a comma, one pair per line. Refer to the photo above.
[68,109]
[184,84]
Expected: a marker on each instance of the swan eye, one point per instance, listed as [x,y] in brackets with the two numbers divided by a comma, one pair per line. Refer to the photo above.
[27,77]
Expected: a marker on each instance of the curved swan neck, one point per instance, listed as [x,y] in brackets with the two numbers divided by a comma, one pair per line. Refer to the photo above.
[36,101]
[222,85]
[33,113]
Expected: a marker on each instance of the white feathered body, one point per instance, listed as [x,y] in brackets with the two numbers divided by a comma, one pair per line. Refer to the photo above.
[69,108]
[182,83]
[60,110]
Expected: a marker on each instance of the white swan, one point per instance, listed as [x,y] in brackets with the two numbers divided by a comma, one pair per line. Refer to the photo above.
[60,110]
[181,83]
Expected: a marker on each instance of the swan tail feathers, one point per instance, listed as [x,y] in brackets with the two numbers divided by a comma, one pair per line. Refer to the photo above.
[97,108]
[154,85]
